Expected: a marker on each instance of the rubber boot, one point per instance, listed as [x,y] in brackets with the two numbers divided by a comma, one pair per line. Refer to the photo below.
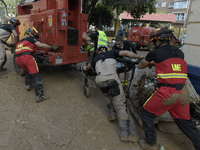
[37,81]
[111,112]
[40,98]
[145,146]
[3,69]
[28,87]
[125,132]
[27,81]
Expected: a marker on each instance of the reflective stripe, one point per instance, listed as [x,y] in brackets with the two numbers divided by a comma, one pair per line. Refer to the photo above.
[23,48]
[149,98]
[102,45]
[36,64]
[102,40]
[172,75]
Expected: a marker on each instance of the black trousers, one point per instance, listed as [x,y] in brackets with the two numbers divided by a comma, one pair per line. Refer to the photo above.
[148,126]
[190,130]
[37,82]
[186,126]
[27,79]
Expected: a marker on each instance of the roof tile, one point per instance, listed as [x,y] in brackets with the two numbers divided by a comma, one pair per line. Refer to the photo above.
[152,17]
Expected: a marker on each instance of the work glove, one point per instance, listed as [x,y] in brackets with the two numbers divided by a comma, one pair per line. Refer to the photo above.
[54,47]
[84,36]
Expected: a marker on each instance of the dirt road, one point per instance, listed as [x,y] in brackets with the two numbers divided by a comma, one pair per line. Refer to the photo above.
[67,120]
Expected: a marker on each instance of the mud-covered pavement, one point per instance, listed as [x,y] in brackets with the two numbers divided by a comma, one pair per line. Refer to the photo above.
[65,121]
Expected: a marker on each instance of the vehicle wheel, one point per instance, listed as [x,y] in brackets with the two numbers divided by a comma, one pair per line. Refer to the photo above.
[137,47]
[151,46]
[18,69]
[86,91]
[178,45]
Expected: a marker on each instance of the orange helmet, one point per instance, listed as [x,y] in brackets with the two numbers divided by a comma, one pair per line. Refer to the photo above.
[32,31]
[162,34]
[14,21]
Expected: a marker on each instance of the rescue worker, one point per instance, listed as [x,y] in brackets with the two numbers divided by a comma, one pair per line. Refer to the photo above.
[120,32]
[107,81]
[24,58]
[121,44]
[99,38]
[172,94]
[5,31]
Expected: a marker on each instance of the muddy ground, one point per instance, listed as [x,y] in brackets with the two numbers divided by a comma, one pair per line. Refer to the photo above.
[67,120]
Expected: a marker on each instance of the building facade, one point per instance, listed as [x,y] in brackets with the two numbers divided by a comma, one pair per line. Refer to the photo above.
[191,48]
[177,7]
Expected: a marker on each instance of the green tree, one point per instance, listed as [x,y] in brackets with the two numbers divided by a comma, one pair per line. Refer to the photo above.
[102,14]
[88,6]
[11,6]
[135,7]
[139,7]
[3,9]
[2,3]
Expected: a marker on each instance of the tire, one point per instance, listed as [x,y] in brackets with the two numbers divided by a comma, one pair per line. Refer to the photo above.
[151,46]
[137,46]
[18,69]
[86,91]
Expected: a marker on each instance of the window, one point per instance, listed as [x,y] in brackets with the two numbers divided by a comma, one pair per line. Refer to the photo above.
[157,5]
[180,16]
[180,5]
[171,5]
[164,4]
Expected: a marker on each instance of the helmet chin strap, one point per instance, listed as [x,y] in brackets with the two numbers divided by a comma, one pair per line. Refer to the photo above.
[28,34]
[15,25]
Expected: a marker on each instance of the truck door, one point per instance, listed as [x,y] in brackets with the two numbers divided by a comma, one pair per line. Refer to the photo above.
[145,37]
[134,34]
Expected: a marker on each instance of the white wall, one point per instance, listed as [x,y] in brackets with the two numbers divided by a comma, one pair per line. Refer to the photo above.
[192,40]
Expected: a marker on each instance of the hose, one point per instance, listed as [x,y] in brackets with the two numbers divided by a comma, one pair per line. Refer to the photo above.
[87,77]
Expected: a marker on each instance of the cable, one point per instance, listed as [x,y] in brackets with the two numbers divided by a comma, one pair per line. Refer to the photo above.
[87,77]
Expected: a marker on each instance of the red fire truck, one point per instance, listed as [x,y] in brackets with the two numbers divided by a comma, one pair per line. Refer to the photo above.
[59,22]
[140,36]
